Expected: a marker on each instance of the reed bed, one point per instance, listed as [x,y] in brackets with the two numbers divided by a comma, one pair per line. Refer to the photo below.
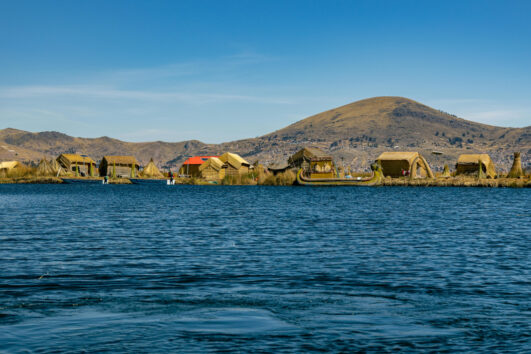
[459,182]
[31,179]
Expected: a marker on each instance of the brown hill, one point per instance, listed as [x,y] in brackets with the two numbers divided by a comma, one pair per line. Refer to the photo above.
[355,134]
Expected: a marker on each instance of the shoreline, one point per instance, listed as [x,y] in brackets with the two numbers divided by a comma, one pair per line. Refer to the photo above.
[387,182]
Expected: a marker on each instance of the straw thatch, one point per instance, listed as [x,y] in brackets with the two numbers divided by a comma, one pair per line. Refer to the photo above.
[119,166]
[77,164]
[394,162]
[236,165]
[480,165]
[7,166]
[58,170]
[516,170]
[446,172]
[213,169]
[151,171]
[45,168]
[302,158]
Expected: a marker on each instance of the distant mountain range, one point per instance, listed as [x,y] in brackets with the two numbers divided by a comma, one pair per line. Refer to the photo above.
[355,134]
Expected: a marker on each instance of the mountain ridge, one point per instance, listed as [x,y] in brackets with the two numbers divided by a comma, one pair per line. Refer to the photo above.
[354,134]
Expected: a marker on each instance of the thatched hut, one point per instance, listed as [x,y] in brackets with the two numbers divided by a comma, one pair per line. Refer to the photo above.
[190,167]
[151,171]
[213,169]
[45,168]
[9,166]
[398,163]
[302,158]
[77,164]
[480,165]
[278,168]
[119,166]
[236,165]
[516,170]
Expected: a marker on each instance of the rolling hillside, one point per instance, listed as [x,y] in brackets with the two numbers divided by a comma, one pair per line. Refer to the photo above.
[354,134]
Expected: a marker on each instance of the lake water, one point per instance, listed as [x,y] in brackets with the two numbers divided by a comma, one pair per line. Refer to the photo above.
[204,268]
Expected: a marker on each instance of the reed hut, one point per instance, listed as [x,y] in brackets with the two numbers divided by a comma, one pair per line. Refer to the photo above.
[119,166]
[190,167]
[151,171]
[516,170]
[8,166]
[77,164]
[278,168]
[236,165]
[213,169]
[480,165]
[303,157]
[45,168]
[395,163]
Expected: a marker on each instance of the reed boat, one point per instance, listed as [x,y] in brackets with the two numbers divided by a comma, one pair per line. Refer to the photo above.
[304,178]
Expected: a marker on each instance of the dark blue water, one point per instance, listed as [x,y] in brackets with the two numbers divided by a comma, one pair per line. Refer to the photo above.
[201,268]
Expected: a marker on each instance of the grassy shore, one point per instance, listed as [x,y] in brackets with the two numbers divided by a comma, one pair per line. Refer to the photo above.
[460,182]
[288,178]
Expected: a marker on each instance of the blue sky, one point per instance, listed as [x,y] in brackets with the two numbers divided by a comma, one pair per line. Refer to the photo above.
[218,71]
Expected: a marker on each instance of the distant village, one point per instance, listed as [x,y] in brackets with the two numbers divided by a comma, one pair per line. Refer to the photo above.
[313,163]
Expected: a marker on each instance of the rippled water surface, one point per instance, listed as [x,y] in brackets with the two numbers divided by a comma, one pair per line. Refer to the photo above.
[200,268]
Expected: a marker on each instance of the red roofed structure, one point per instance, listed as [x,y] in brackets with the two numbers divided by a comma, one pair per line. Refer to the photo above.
[190,167]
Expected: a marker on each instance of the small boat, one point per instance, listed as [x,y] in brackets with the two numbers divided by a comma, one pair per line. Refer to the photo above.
[150,181]
[81,181]
[376,179]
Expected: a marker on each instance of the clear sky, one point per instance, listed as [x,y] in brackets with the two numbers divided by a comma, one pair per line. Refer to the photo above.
[223,70]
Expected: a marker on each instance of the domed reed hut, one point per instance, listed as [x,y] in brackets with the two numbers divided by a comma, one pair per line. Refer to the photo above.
[479,165]
[236,165]
[151,171]
[119,166]
[9,166]
[516,170]
[79,165]
[213,169]
[190,167]
[399,163]
[446,172]
[303,157]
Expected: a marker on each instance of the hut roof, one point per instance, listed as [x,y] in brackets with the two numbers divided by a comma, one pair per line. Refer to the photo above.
[474,158]
[77,158]
[234,160]
[151,170]
[121,160]
[309,152]
[213,162]
[398,155]
[279,166]
[197,160]
[9,165]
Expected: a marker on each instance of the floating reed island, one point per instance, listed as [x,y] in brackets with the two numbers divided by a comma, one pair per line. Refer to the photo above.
[307,167]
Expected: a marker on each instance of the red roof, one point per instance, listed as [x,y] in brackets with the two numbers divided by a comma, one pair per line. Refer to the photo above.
[197,160]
